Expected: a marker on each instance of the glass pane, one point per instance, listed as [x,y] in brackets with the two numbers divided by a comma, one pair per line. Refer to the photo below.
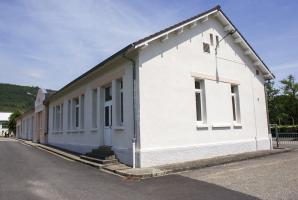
[107,116]
[108,95]
[197,85]
[121,84]
[77,116]
[234,108]
[198,106]
[232,89]
[121,106]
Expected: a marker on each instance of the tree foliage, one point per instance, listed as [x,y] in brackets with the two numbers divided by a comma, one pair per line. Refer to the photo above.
[283,102]
[16,97]
[12,121]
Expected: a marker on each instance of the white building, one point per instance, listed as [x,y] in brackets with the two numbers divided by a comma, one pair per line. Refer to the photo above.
[25,125]
[33,124]
[194,90]
[4,117]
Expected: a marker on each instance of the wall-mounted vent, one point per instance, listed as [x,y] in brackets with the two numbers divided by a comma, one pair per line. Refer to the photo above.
[206,47]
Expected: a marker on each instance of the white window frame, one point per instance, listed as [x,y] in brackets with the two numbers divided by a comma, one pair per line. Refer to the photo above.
[69,114]
[94,107]
[58,117]
[121,101]
[202,102]
[82,111]
[235,104]
[74,114]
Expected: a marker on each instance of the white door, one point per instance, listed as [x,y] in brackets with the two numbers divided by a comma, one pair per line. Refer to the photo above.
[108,117]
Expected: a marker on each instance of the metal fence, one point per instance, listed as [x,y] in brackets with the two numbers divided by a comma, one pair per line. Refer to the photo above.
[283,136]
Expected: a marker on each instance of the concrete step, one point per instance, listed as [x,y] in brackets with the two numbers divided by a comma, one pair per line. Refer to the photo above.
[100,161]
[102,153]
[115,167]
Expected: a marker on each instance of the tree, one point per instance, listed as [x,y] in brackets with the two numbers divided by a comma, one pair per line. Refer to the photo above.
[12,121]
[274,106]
[289,89]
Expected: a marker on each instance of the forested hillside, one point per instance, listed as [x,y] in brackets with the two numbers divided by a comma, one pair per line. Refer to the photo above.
[16,97]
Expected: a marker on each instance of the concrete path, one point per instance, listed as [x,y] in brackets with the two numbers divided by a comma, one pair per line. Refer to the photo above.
[30,173]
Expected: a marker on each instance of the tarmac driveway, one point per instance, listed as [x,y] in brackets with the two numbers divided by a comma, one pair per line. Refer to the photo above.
[30,173]
[272,177]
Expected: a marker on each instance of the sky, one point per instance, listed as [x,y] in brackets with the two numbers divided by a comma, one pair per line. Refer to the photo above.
[49,43]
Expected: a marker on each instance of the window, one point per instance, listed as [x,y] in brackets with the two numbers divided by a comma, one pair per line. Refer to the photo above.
[199,100]
[77,116]
[206,47]
[94,108]
[69,114]
[108,93]
[217,40]
[54,118]
[76,112]
[257,72]
[235,103]
[57,117]
[57,123]
[211,39]
[82,112]
[121,101]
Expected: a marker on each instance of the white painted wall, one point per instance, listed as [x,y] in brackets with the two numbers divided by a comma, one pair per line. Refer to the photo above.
[27,128]
[168,127]
[88,138]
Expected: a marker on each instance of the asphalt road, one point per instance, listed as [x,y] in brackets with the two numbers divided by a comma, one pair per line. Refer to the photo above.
[30,173]
[274,177]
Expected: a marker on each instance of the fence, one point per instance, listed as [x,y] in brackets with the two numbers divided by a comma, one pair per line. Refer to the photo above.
[284,135]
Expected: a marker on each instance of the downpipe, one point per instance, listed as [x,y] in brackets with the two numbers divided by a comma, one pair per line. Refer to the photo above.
[134,139]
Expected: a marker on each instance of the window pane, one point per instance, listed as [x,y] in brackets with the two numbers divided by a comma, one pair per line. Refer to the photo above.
[121,106]
[197,85]
[211,39]
[82,109]
[234,108]
[108,95]
[94,108]
[232,89]
[77,116]
[107,116]
[121,84]
[198,106]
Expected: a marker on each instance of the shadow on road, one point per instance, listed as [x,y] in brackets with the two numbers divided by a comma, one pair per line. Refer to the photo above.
[180,187]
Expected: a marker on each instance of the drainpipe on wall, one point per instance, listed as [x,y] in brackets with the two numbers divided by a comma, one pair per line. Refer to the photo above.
[267,112]
[134,110]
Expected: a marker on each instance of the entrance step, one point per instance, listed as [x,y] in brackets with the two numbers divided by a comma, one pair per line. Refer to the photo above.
[102,153]
[100,161]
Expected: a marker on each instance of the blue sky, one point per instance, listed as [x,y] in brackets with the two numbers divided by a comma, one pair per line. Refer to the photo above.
[49,43]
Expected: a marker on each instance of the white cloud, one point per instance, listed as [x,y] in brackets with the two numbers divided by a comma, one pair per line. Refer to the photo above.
[58,38]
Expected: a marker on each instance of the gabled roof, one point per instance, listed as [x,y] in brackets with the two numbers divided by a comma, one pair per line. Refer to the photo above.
[214,12]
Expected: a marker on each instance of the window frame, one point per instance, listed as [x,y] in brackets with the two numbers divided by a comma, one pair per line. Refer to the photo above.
[201,92]
[121,102]
[94,107]
[235,103]
[76,112]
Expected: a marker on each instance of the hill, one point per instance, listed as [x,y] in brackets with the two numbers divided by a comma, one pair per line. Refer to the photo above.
[16,97]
